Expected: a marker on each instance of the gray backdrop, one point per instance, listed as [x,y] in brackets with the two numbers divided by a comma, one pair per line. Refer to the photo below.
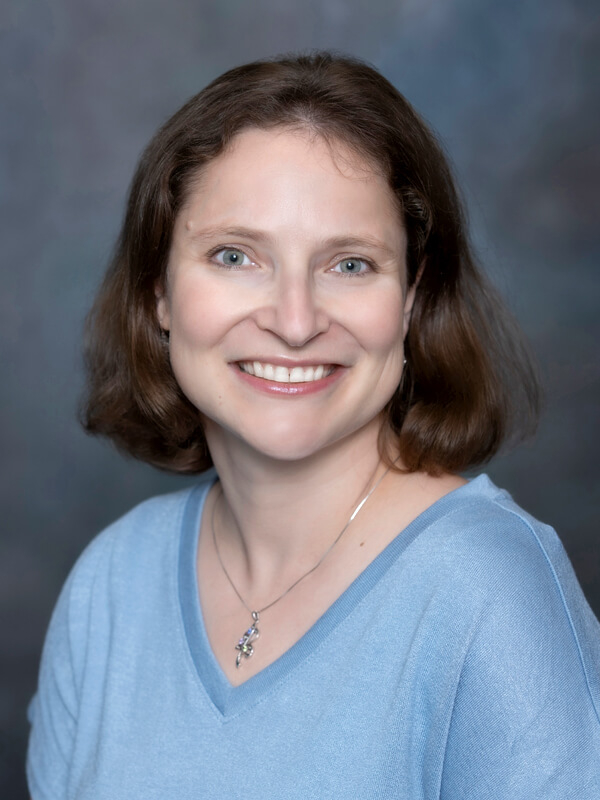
[511,88]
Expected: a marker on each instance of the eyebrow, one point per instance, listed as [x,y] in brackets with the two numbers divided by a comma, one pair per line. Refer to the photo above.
[235,233]
[335,242]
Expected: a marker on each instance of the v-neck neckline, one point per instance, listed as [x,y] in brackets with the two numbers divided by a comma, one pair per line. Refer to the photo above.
[231,700]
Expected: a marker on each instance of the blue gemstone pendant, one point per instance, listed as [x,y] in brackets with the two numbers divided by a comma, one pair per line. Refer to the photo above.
[244,645]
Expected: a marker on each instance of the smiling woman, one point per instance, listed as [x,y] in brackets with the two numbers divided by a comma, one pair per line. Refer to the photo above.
[461,396]
[293,302]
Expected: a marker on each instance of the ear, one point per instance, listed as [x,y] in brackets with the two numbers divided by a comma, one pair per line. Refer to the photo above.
[409,300]
[163,311]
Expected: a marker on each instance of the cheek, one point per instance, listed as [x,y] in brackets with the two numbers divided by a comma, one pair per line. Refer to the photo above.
[196,329]
[380,325]
[197,316]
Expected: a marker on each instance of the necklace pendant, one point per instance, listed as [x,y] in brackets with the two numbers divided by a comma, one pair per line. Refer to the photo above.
[244,646]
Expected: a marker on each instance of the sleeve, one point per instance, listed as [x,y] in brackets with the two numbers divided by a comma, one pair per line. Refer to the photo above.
[53,712]
[525,721]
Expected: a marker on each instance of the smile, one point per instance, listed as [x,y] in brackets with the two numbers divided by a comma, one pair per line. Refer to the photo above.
[270,372]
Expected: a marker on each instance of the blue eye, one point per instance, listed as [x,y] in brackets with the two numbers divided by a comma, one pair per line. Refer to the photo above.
[230,257]
[352,266]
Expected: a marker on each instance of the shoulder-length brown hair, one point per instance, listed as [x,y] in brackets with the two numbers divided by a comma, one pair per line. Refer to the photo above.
[469,383]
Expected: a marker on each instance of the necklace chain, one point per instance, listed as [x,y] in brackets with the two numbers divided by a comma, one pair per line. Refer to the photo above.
[244,646]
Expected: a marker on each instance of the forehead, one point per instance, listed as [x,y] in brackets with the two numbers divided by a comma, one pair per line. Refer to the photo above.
[297,142]
[260,169]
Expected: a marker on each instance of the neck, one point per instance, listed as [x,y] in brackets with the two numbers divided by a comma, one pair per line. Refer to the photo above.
[276,518]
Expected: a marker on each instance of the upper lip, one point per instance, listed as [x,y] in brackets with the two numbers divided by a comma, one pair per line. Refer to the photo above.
[285,361]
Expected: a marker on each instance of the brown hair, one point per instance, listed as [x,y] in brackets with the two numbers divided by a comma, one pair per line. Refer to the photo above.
[469,382]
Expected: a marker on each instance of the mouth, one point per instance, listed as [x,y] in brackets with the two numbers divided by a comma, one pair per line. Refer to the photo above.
[279,374]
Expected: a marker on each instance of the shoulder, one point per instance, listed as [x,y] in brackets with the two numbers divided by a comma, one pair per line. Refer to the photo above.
[481,530]
[513,572]
[128,563]
[506,572]
[126,573]
[147,529]
[122,587]
[530,677]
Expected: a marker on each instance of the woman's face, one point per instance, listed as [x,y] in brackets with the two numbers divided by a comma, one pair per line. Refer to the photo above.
[286,295]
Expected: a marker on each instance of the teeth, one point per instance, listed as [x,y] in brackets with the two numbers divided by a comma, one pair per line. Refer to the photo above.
[285,375]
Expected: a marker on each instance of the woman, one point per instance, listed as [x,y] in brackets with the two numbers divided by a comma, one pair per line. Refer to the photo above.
[333,610]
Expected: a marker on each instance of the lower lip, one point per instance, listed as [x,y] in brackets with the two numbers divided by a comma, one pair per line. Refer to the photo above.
[290,389]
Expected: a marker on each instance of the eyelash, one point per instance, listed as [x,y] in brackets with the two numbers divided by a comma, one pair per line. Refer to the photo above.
[370,266]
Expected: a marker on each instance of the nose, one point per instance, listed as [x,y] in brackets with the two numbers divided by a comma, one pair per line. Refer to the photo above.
[293,311]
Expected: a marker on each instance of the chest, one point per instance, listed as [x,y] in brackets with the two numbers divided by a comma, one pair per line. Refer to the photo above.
[358,703]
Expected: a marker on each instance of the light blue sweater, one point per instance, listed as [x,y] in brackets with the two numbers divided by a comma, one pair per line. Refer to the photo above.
[463,662]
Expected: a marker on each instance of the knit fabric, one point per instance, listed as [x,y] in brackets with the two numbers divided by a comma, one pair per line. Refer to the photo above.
[464,662]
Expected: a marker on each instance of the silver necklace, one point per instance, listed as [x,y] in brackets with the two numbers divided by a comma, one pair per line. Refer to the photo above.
[245,645]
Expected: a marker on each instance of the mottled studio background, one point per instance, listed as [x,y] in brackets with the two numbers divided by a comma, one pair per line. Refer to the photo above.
[512,89]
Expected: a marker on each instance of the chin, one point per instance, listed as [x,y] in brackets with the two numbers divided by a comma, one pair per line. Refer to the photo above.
[293,449]
[296,443]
